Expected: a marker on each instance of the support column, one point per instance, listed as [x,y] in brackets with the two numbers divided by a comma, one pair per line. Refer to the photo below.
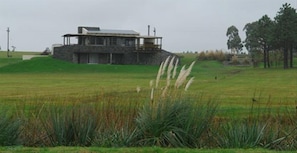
[137,58]
[110,58]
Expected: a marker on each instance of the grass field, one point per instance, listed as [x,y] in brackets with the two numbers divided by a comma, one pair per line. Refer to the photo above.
[235,88]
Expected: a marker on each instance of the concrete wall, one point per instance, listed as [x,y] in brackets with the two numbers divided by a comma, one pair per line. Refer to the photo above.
[28,57]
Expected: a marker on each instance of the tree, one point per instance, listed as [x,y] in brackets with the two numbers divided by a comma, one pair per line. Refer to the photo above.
[234,41]
[251,42]
[264,34]
[286,32]
[259,38]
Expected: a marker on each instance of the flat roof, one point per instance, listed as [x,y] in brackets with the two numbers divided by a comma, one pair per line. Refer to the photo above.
[111,31]
[111,35]
[149,37]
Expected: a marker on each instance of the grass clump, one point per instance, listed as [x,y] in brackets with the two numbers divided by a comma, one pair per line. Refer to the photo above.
[10,129]
[69,126]
[171,120]
[174,123]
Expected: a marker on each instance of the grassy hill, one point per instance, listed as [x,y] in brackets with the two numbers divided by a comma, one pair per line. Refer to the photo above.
[50,65]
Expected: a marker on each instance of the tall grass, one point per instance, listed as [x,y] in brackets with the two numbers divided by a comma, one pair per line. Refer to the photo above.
[93,120]
[10,129]
[171,120]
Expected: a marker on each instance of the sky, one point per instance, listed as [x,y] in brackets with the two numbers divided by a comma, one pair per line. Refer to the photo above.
[185,25]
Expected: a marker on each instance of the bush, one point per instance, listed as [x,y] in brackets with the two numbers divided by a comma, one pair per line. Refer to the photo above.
[218,55]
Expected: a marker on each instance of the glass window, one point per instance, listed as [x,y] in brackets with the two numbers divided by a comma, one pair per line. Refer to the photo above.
[99,41]
[113,41]
[92,41]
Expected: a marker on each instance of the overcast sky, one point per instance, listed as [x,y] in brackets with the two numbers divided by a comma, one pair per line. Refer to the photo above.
[185,25]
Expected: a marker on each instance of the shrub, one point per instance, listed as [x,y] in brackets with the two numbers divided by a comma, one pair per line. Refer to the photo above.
[234,60]
[212,55]
[202,56]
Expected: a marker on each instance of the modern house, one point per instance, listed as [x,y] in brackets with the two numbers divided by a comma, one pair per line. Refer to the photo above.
[101,46]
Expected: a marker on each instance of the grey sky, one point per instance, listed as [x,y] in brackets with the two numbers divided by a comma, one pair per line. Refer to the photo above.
[185,25]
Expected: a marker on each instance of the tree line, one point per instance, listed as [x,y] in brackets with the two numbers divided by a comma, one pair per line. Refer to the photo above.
[266,36]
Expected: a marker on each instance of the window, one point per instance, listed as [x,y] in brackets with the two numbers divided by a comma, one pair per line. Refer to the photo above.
[129,42]
[99,41]
[92,41]
[113,41]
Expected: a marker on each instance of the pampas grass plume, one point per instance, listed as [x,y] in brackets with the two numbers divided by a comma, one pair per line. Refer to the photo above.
[151,83]
[189,83]
[165,65]
[138,89]
[152,95]
[159,74]
[174,70]
[183,75]
[169,70]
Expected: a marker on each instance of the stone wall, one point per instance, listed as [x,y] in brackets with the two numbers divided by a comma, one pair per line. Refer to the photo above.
[120,55]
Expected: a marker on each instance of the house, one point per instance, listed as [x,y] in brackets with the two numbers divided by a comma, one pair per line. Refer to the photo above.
[102,46]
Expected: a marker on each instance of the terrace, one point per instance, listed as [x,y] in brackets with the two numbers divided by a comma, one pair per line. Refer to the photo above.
[105,46]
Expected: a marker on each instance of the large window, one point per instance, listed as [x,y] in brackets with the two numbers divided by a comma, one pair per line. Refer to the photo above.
[130,42]
[92,41]
[96,41]
[113,41]
[99,41]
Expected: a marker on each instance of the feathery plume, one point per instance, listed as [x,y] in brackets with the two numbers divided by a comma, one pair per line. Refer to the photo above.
[152,95]
[189,83]
[151,83]
[159,74]
[165,65]
[164,92]
[183,75]
[137,89]
[169,70]
[175,67]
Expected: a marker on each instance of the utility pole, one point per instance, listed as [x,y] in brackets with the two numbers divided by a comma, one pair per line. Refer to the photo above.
[8,41]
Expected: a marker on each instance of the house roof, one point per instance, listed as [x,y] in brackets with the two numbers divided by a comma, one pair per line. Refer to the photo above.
[93,31]
[110,31]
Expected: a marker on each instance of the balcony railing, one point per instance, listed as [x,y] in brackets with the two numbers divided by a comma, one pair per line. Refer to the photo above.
[148,47]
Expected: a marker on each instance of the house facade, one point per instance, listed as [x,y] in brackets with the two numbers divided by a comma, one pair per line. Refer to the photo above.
[102,46]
